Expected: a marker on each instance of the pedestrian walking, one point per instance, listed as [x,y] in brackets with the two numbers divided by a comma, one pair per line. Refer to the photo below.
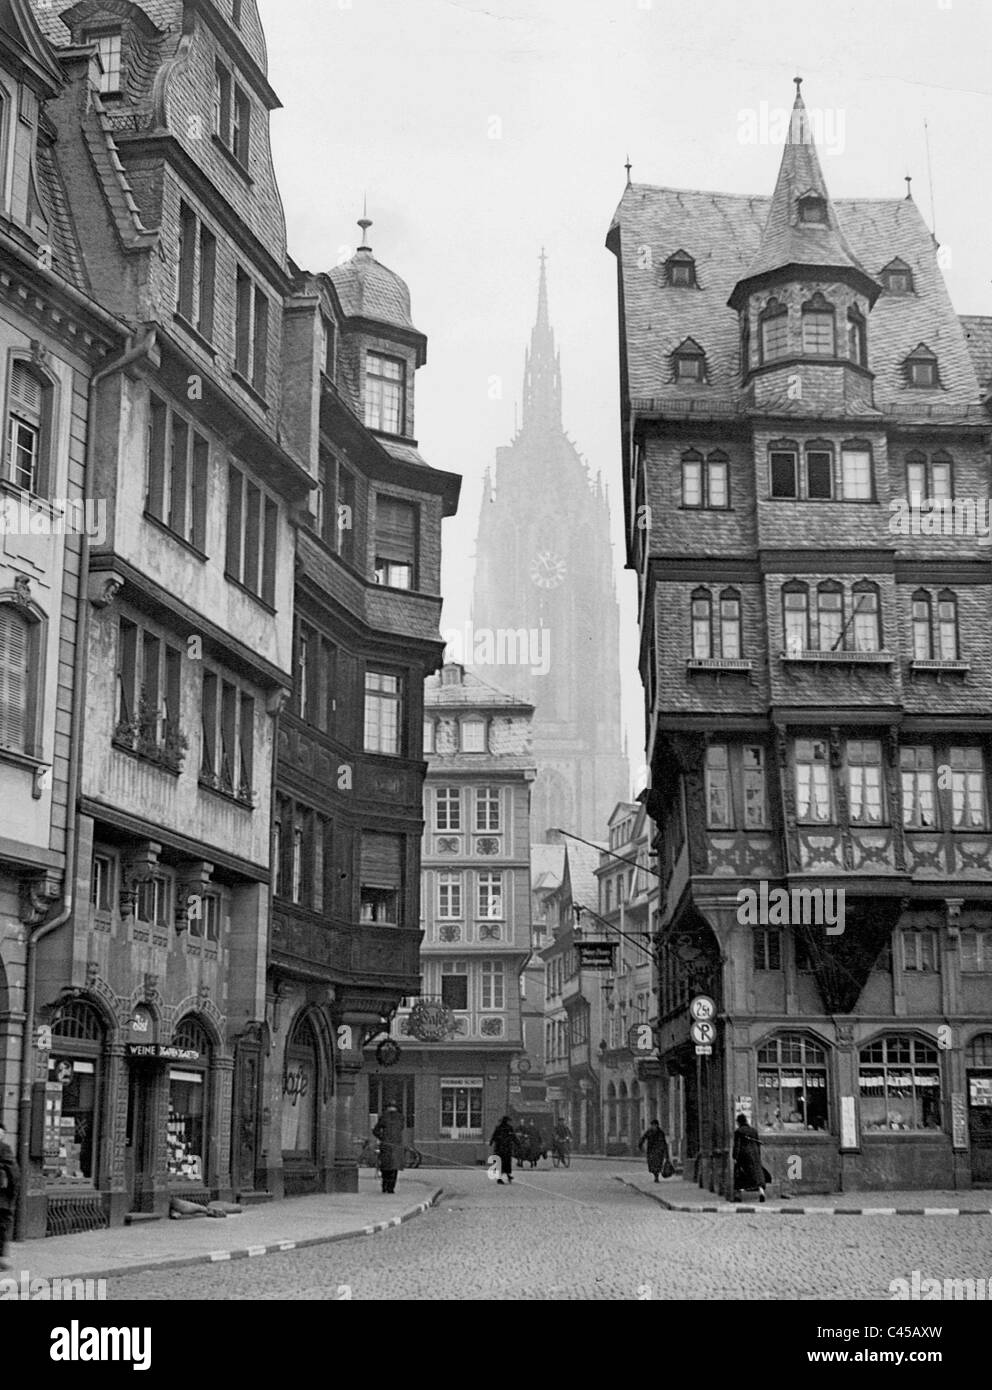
[657,1150]
[504,1144]
[389,1132]
[9,1183]
[749,1172]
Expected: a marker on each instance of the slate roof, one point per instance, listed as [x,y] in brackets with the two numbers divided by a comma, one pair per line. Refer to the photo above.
[469,691]
[406,453]
[723,232]
[66,256]
[978,335]
[785,240]
[581,862]
[368,289]
[547,866]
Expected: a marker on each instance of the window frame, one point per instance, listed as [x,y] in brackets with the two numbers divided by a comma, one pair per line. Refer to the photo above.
[378,403]
[801,760]
[378,698]
[41,423]
[774,316]
[254,572]
[31,676]
[177,473]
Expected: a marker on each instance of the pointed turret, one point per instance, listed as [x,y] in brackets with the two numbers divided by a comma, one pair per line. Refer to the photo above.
[542,368]
[802,234]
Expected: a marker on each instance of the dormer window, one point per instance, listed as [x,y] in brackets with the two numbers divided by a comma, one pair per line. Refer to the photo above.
[813,209]
[896,277]
[385,383]
[774,331]
[921,368]
[818,327]
[108,47]
[680,271]
[689,361]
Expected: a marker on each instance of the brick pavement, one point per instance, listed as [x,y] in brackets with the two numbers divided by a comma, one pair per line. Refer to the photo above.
[258,1230]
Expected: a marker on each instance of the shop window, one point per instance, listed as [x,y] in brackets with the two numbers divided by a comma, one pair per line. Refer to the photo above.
[299,1092]
[72,1094]
[899,1085]
[792,1085]
[461,1107]
[186,1125]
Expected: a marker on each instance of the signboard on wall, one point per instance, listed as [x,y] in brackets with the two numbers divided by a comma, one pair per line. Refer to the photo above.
[596,955]
[959,1118]
[848,1123]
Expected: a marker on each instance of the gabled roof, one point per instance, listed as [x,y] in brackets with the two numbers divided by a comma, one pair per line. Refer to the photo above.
[467,692]
[20,30]
[581,863]
[788,241]
[978,335]
[547,865]
[724,231]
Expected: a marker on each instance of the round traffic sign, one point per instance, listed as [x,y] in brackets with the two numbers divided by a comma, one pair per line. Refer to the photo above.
[702,1007]
[702,1031]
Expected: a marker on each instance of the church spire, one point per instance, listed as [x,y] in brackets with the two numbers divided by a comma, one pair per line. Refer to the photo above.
[802,231]
[542,367]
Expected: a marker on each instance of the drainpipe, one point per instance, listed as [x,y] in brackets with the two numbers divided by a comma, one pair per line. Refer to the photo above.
[133,353]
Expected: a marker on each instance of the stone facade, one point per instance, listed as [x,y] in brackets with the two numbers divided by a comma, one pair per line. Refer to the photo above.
[816,674]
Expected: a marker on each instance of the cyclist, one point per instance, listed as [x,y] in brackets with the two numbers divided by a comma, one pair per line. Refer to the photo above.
[561,1139]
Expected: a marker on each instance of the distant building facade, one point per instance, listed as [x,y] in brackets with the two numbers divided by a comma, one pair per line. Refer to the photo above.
[545,620]
[462,1038]
[801,402]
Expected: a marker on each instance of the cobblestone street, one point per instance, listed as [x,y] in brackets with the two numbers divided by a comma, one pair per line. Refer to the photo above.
[581,1235]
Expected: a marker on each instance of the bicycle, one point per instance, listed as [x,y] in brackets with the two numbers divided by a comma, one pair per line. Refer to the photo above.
[561,1156]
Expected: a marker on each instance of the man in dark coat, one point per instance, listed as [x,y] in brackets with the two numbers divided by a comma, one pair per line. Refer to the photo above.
[657,1147]
[9,1182]
[389,1132]
[749,1172]
[504,1144]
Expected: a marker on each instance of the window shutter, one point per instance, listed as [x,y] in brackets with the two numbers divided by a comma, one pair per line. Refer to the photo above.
[14,657]
[382,860]
[396,530]
[25,392]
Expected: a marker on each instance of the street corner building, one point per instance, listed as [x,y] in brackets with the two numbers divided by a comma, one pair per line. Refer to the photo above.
[461,1040]
[211,727]
[817,674]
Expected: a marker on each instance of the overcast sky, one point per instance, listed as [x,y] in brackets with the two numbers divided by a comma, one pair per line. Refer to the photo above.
[484,129]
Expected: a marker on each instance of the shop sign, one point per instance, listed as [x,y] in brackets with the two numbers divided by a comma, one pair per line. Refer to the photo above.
[848,1123]
[142,1026]
[596,955]
[296,1084]
[959,1119]
[430,1021]
[981,1090]
[162,1052]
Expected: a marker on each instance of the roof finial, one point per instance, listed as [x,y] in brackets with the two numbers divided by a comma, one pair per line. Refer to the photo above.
[365,223]
[799,84]
[628,166]
[909,185]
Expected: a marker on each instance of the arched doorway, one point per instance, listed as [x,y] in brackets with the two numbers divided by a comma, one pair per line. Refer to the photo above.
[978,1065]
[300,1096]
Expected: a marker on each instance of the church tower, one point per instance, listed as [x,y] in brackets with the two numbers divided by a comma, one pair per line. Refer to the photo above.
[545,611]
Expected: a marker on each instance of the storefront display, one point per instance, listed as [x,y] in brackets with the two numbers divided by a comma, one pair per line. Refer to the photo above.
[299,1091]
[184,1131]
[71,1095]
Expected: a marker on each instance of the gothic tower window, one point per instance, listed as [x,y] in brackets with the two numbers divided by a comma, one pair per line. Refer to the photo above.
[774,331]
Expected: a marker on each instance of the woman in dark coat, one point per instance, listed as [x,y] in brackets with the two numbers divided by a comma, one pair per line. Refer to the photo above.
[657,1147]
[504,1144]
[389,1132]
[749,1172]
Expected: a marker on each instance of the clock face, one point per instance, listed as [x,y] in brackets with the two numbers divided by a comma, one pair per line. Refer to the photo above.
[547,570]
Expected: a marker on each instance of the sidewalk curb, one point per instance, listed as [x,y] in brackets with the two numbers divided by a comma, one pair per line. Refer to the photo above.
[734,1209]
[278,1247]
